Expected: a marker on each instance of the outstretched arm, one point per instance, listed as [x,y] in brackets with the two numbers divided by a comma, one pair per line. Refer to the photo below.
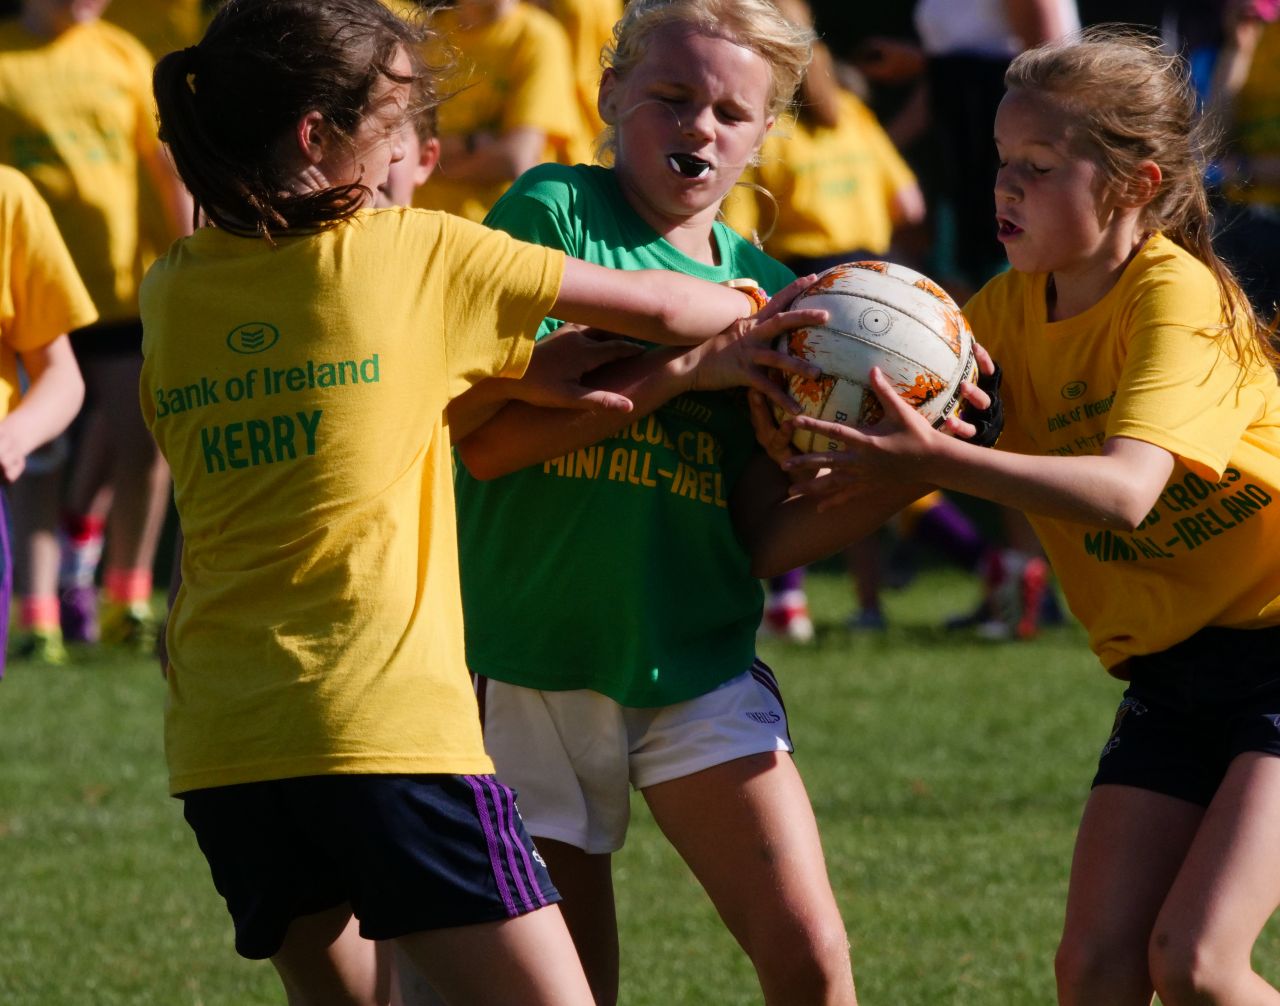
[650,304]
[1116,488]
[523,433]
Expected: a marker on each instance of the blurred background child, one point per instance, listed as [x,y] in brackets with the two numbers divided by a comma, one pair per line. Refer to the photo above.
[76,117]
[513,102]
[41,300]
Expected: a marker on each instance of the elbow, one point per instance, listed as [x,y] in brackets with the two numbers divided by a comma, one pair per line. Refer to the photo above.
[1132,510]
[672,317]
[480,464]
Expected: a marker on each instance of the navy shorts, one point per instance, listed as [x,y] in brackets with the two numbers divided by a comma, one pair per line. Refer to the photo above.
[407,852]
[1191,709]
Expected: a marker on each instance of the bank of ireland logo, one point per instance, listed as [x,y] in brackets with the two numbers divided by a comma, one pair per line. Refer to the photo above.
[253,337]
[1074,389]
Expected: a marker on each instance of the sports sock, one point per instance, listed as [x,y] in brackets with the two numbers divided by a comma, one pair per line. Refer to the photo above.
[127,586]
[81,540]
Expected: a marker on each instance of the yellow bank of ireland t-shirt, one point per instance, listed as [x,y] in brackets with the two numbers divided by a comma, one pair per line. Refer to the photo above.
[515,72]
[160,25]
[832,188]
[298,394]
[41,296]
[1145,362]
[74,113]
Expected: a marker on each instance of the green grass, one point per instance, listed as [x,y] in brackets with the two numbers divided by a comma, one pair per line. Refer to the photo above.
[947,774]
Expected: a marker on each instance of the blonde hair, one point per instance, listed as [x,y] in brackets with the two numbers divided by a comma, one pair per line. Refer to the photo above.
[756,25]
[1131,101]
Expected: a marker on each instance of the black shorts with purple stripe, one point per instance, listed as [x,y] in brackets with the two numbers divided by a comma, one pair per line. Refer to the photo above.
[407,852]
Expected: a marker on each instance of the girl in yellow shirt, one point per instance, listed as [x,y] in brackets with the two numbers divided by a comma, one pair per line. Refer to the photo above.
[308,360]
[1143,441]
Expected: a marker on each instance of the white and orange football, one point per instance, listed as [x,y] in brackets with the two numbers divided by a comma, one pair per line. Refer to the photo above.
[880,315]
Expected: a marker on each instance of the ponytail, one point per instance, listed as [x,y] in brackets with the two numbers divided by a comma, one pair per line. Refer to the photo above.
[228,104]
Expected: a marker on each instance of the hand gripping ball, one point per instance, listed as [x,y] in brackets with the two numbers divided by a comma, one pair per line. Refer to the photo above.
[880,315]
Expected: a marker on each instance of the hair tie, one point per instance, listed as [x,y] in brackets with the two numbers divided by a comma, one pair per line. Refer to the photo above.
[191,58]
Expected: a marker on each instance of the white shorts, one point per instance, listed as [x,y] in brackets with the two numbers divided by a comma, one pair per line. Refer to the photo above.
[572,756]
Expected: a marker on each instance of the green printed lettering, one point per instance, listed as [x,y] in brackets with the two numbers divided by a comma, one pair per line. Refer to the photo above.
[231,434]
[1213,523]
[295,378]
[369,370]
[1179,498]
[282,427]
[348,367]
[1258,494]
[310,423]
[209,443]
[327,376]
[162,408]
[259,442]
[1190,531]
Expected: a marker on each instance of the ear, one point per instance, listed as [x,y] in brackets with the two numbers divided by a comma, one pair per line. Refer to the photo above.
[312,135]
[764,133]
[428,158]
[1144,185]
[606,99]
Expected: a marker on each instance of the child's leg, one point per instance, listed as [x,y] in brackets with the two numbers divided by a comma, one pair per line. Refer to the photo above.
[585,882]
[1129,847]
[525,961]
[1224,894]
[747,831]
[138,480]
[34,499]
[325,962]
[566,756]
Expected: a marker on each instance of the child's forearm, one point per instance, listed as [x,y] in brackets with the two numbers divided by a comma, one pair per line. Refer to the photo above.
[649,304]
[52,400]
[1117,488]
[520,434]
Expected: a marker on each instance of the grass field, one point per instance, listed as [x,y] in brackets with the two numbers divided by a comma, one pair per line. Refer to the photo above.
[947,774]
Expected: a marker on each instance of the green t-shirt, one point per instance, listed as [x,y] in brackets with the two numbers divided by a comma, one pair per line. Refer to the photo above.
[616,568]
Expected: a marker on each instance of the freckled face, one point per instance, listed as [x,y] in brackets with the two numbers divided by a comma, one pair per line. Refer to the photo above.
[689,118]
[1051,203]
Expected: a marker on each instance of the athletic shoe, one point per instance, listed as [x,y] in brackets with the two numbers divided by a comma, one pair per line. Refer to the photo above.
[78,612]
[1016,587]
[39,646]
[787,621]
[866,620]
[132,626]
